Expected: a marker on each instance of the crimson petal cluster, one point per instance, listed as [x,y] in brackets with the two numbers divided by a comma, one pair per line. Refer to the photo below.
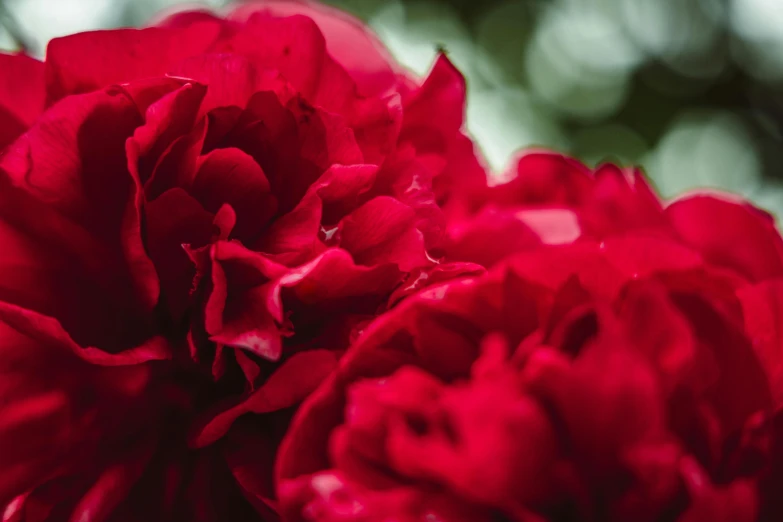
[252,269]
[196,219]
[619,361]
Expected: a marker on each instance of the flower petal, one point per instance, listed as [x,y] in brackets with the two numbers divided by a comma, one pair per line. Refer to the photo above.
[287,386]
[72,162]
[334,276]
[167,119]
[297,236]
[10,127]
[430,276]
[620,202]
[243,309]
[230,176]
[383,230]
[292,45]
[762,306]
[89,61]
[21,94]
[347,41]
[175,219]
[729,234]
[437,107]
[231,79]
[544,178]
[488,238]
[50,386]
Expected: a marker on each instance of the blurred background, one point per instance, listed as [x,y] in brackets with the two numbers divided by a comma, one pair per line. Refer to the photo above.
[692,90]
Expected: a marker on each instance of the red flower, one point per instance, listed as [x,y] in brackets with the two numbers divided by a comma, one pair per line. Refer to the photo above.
[193,229]
[635,375]
[552,199]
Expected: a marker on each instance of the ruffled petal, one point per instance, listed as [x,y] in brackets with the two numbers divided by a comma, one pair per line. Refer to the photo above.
[304,449]
[376,122]
[337,499]
[63,159]
[176,166]
[729,234]
[292,45]
[53,388]
[166,120]
[72,162]
[303,233]
[250,297]
[243,309]
[620,202]
[408,179]
[543,178]
[347,41]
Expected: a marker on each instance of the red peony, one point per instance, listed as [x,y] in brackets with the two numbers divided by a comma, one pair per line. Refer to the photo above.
[196,218]
[632,374]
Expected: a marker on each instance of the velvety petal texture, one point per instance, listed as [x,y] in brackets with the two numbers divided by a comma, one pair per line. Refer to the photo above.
[620,361]
[197,219]
[251,269]
[622,380]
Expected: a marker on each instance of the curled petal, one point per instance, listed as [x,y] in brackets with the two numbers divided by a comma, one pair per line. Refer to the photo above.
[243,309]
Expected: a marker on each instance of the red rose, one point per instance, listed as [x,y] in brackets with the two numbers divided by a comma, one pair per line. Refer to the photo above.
[195,226]
[552,199]
[634,376]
